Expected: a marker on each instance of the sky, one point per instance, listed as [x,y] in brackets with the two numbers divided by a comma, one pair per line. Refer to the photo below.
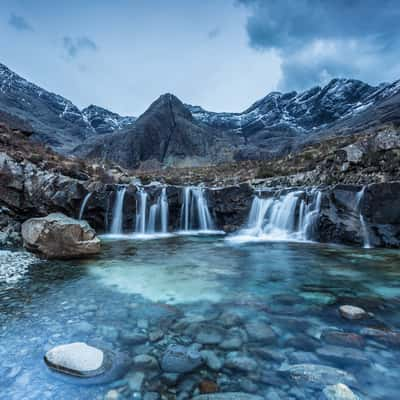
[220,54]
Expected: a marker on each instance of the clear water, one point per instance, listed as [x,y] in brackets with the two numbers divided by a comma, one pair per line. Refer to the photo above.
[295,287]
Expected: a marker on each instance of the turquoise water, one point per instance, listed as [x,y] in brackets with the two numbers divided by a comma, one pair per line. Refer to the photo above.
[180,283]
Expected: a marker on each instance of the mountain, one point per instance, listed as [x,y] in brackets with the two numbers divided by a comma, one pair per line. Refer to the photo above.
[104,121]
[166,134]
[280,122]
[52,119]
[171,133]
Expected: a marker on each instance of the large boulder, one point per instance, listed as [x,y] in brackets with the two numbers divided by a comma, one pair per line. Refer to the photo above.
[58,236]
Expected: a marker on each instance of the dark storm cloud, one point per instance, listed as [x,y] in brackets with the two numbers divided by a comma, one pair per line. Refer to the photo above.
[74,46]
[324,38]
[19,23]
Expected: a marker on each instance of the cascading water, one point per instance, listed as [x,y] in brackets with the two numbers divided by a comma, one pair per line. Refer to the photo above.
[118,211]
[153,219]
[164,210]
[141,211]
[291,216]
[195,215]
[364,227]
[84,203]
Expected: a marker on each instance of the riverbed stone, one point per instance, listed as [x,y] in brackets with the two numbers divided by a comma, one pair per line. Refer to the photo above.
[386,337]
[348,339]
[241,362]
[133,337]
[211,359]
[78,359]
[317,376]
[227,396]
[260,331]
[339,391]
[180,359]
[232,343]
[343,354]
[352,312]
[209,335]
[145,362]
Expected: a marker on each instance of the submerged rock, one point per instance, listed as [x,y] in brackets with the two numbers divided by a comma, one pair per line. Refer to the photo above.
[58,236]
[318,376]
[78,359]
[338,338]
[228,396]
[260,331]
[338,392]
[352,312]
[180,359]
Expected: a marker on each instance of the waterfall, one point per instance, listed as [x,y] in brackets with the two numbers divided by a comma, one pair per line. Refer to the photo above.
[195,214]
[164,210]
[84,203]
[141,209]
[290,216]
[153,219]
[117,214]
[363,224]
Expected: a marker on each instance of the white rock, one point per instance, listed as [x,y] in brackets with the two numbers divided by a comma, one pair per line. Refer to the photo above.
[352,312]
[339,391]
[76,359]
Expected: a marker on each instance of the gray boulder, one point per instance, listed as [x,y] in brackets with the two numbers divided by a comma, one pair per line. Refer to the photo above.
[58,236]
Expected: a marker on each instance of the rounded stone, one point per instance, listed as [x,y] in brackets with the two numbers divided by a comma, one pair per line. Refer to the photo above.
[352,312]
[78,359]
[339,391]
[180,359]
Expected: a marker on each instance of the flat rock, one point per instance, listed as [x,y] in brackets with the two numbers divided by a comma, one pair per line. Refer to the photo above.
[317,376]
[343,354]
[352,312]
[339,338]
[240,362]
[339,391]
[78,359]
[228,396]
[180,359]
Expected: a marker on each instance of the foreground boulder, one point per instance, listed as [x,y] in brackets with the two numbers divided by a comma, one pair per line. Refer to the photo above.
[77,359]
[58,236]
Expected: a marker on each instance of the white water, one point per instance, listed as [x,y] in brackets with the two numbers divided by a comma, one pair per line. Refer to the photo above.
[195,215]
[287,217]
[153,220]
[84,203]
[141,211]
[363,224]
[118,211]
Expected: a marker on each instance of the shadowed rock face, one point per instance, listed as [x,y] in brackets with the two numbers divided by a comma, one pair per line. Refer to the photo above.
[51,118]
[166,134]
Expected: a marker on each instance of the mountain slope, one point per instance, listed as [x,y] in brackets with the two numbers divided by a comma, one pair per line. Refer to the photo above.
[54,120]
[166,134]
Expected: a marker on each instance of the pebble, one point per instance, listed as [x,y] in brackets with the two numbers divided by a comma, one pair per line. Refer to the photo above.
[112,395]
[317,376]
[133,337]
[352,312]
[135,381]
[343,354]
[146,362]
[240,362]
[180,359]
[211,359]
[260,331]
[207,386]
[228,396]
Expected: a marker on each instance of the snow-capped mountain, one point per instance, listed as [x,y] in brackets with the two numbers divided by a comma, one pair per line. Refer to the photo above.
[54,119]
[105,121]
[301,112]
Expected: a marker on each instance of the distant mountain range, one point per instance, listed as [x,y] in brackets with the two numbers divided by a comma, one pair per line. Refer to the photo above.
[177,134]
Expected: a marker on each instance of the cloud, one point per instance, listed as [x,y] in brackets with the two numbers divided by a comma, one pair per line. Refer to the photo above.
[74,46]
[19,23]
[214,33]
[317,40]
